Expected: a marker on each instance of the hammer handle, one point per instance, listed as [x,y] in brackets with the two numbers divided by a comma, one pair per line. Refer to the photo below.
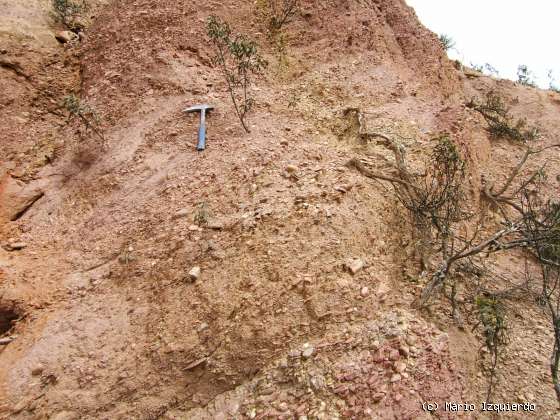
[202,132]
[201,136]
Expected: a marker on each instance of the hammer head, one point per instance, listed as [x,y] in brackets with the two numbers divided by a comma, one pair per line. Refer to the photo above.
[197,108]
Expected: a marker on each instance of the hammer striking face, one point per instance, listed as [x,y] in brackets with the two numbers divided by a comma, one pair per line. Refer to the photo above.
[202,129]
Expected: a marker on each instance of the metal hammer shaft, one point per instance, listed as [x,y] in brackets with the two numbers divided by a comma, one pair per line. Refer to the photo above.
[202,131]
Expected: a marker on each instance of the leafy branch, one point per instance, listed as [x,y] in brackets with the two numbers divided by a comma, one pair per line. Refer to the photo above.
[500,122]
[239,59]
[83,112]
[447,42]
[525,76]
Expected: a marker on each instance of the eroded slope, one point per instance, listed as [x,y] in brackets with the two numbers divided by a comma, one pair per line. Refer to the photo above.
[276,325]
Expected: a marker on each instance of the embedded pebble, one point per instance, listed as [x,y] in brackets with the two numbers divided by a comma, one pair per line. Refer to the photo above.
[194,274]
[291,169]
[308,350]
[396,378]
[37,370]
[355,265]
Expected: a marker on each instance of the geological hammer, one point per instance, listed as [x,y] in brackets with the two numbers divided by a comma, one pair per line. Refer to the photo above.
[202,128]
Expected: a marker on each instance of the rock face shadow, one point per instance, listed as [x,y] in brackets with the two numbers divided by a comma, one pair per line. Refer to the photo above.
[8,316]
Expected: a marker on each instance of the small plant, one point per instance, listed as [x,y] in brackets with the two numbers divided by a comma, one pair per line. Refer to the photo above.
[239,59]
[202,214]
[68,12]
[551,249]
[552,82]
[275,14]
[500,122]
[85,113]
[525,76]
[487,68]
[439,193]
[492,318]
[281,13]
[278,41]
[492,71]
[542,220]
[293,100]
[447,42]
[477,67]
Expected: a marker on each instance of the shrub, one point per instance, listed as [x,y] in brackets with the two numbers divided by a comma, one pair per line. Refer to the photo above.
[541,232]
[492,71]
[525,76]
[487,69]
[447,42]
[477,67]
[281,13]
[275,14]
[500,122]
[67,12]
[434,198]
[551,250]
[541,221]
[438,194]
[202,214]
[492,317]
[552,82]
[85,113]
[239,59]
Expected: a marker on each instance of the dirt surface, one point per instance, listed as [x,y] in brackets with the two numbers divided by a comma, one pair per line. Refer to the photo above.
[96,295]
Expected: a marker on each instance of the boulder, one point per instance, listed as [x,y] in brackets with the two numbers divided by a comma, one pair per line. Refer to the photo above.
[16,198]
[65,36]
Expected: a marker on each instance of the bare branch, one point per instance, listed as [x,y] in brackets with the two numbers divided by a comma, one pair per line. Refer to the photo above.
[356,163]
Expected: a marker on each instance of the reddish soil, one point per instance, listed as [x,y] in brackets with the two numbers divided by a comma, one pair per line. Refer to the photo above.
[104,321]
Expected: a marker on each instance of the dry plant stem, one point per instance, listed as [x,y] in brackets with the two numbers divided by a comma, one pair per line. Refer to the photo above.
[555,357]
[455,313]
[517,169]
[89,125]
[281,13]
[550,278]
[513,174]
[231,88]
[492,377]
[432,198]
[360,167]
[542,235]
[489,245]
[398,152]
[498,196]
[239,113]
[403,179]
